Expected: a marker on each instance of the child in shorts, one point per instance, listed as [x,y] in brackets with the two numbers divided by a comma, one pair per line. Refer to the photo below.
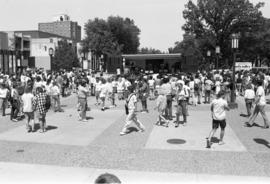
[218,109]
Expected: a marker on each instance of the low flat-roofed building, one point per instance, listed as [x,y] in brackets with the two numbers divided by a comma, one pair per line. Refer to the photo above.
[154,63]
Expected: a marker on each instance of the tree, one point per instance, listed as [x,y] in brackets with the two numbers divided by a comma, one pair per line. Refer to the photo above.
[146,50]
[113,36]
[214,21]
[65,56]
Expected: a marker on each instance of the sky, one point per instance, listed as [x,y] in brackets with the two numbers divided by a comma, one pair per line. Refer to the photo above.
[160,21]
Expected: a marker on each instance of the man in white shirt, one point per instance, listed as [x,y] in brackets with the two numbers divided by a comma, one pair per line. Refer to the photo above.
[260,102]
[218,109]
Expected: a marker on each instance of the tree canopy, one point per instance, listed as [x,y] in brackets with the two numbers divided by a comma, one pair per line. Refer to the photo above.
[113,36]
[212,22]
[65,56]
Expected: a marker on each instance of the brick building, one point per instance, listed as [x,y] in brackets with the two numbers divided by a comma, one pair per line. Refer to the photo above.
[62,26]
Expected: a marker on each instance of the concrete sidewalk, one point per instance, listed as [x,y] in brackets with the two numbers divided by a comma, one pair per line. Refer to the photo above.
[30,173]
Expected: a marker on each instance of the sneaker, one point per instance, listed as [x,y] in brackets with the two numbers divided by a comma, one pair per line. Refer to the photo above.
[221,143]
[84,120]
[143,112]
[15,120]
[185,124]
[176,125]
[102,109]
[266,126]
[141,130]
[123,133]
[208,143]
[248,125]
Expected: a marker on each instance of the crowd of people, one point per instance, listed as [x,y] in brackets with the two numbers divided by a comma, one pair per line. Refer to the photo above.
[29,94]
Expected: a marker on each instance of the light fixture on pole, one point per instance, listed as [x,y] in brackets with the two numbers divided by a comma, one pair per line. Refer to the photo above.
[124,63]
[102,62]
[217,54]
[235,46]
[208,54]
[51,53]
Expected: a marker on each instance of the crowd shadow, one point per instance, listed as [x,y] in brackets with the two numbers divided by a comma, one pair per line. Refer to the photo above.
[214,140]
[262,141]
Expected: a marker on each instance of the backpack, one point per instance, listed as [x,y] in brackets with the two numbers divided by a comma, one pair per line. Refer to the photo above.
[48,102]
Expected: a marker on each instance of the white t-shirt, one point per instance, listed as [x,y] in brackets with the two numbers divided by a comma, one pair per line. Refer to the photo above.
[219,112]
[3,92]
[151,83]
[260,93]
[103,90]
[27,99]
[132,103]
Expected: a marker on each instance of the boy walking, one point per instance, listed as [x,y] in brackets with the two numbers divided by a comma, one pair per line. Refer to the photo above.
[218,109]
[131,107]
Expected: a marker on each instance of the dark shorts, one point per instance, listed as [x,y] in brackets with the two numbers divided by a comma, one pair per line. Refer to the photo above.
[30,115]
[217,123]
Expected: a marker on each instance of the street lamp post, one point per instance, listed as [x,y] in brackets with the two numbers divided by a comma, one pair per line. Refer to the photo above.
[102,62]
[51,52]
[235,46]
[82,58]
[217,54]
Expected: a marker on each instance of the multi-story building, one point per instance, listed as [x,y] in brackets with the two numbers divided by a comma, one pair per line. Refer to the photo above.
[62,26]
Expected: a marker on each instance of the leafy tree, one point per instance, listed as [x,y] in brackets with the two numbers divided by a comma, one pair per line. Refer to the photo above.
[146,50]
[113,36]
[214,21]
[65,56]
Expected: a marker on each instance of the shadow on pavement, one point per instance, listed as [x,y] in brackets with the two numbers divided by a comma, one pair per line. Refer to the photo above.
[48,128]
[89,117]
[176,141]
[132,129]
[263,142]
[244,115]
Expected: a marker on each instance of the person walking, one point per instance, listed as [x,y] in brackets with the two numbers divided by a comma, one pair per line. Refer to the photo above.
[39,103]
[249,98]
[218,109]
[131,109]
[260,102]
[82,100]
[181,96]
[28,109]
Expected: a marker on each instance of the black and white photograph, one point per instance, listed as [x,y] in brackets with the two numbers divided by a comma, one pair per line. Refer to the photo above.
[134,91]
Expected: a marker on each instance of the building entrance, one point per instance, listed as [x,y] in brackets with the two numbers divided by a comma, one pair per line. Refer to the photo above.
[154,65]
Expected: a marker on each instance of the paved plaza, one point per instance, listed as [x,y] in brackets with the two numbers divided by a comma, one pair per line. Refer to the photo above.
[78,152]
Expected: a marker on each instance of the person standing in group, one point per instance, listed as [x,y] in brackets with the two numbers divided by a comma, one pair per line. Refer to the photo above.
[39,103]
[161,105]
[120,88]
[144,92]
[82,100]
[167,88]
[55,93]
[207,87]
[3,98]
[197,89]
[260,102]
[97,90]
[218,109]
[151,83]
[249,98]
[15,102]
[103,93]
[181,96]
[131,109]
[28,109]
